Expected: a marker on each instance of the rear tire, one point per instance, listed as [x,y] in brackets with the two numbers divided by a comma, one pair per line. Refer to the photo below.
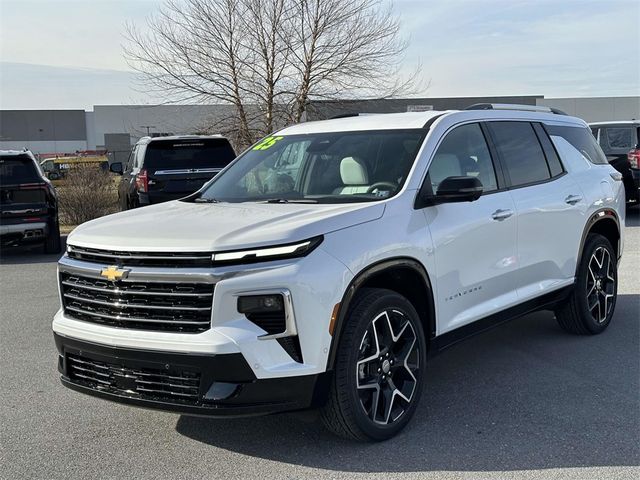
[589,308]
[53,243]
[379,370]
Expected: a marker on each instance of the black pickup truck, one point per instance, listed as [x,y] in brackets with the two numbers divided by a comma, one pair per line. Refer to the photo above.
[28,203]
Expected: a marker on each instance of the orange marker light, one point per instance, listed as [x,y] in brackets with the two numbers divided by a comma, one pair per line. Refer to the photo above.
[334,317]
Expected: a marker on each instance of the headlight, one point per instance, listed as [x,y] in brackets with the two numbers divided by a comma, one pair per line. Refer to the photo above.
[264,254]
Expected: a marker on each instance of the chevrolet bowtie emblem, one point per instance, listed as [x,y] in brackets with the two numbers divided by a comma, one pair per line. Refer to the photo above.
[113,273]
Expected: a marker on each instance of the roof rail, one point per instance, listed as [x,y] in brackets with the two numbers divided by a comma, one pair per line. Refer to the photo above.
[513,106]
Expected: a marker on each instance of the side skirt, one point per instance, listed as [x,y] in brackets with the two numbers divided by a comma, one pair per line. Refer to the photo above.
[547,301]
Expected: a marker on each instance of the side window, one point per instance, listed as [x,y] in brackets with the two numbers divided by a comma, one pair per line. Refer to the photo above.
[139,158]
[520,152]
[278,173]
[132,155]
[582,140]
[555,166]
[290,160]
[463,152]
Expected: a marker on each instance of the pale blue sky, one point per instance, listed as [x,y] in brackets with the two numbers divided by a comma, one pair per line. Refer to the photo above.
[67,53]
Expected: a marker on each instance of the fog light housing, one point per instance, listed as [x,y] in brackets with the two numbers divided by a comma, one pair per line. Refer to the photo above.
[273,312]
[261,304]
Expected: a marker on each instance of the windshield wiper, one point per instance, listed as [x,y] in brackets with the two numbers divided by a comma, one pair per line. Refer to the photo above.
[206,200]
[293,200]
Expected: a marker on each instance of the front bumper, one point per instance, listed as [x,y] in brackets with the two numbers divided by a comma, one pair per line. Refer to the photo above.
[223,384]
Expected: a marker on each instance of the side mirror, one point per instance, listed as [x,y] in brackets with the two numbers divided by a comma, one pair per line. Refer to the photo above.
[116,167]
[458,189]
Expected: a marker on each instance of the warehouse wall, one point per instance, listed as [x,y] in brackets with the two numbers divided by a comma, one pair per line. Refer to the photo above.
[176,119]
[65,131]
[43,131]
[597,109]
[322,110]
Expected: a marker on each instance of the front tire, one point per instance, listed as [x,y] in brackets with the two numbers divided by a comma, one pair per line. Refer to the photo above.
[379,370]
[589,308]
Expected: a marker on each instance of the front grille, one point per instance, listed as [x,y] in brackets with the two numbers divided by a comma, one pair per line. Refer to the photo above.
[172,384]
[175,307]
[146,259]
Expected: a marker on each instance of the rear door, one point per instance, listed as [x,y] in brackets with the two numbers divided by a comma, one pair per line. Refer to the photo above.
[23,192]
[549,204]
[474,242]
[180,167]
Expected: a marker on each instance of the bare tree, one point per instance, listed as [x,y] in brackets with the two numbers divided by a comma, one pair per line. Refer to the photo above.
[269,58]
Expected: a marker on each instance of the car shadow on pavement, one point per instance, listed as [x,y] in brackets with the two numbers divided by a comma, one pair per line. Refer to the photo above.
[29,254]
[522,396]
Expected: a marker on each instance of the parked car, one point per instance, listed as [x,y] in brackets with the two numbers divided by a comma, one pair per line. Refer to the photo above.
[167,168]
[323,265]
[620,142]
[28,201]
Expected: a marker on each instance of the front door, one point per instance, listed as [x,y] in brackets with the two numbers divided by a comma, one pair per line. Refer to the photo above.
[474,242]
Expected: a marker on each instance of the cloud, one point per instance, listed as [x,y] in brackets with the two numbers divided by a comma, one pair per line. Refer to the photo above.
[551,48]
[467,47]
[26,86]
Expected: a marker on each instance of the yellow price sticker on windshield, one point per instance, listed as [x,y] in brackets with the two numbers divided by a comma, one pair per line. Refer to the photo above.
[267,143]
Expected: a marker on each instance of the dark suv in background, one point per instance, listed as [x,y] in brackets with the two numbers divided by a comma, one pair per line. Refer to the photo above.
[28,203]
[620,142]
[167,168]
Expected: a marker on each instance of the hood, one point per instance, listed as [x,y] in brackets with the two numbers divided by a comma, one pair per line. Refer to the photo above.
[189,227]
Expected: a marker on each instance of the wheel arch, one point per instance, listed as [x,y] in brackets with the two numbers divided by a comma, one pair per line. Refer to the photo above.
[606,223]
[404,275]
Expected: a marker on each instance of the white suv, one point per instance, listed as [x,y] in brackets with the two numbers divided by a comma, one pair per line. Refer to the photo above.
[322,266]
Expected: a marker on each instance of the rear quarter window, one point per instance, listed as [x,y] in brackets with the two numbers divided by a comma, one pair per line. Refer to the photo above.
[15,170]
[582,140]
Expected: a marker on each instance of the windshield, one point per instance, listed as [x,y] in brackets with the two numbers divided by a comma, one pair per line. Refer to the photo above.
[197,153]
[320,168]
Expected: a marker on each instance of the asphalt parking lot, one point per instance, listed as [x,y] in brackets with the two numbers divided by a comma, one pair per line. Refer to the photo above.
[521,401]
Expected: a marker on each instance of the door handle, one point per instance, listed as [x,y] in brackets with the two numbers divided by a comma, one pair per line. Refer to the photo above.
[501,214]
[573,199]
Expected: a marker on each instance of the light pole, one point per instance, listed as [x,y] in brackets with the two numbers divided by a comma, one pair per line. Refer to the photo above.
[148,127]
